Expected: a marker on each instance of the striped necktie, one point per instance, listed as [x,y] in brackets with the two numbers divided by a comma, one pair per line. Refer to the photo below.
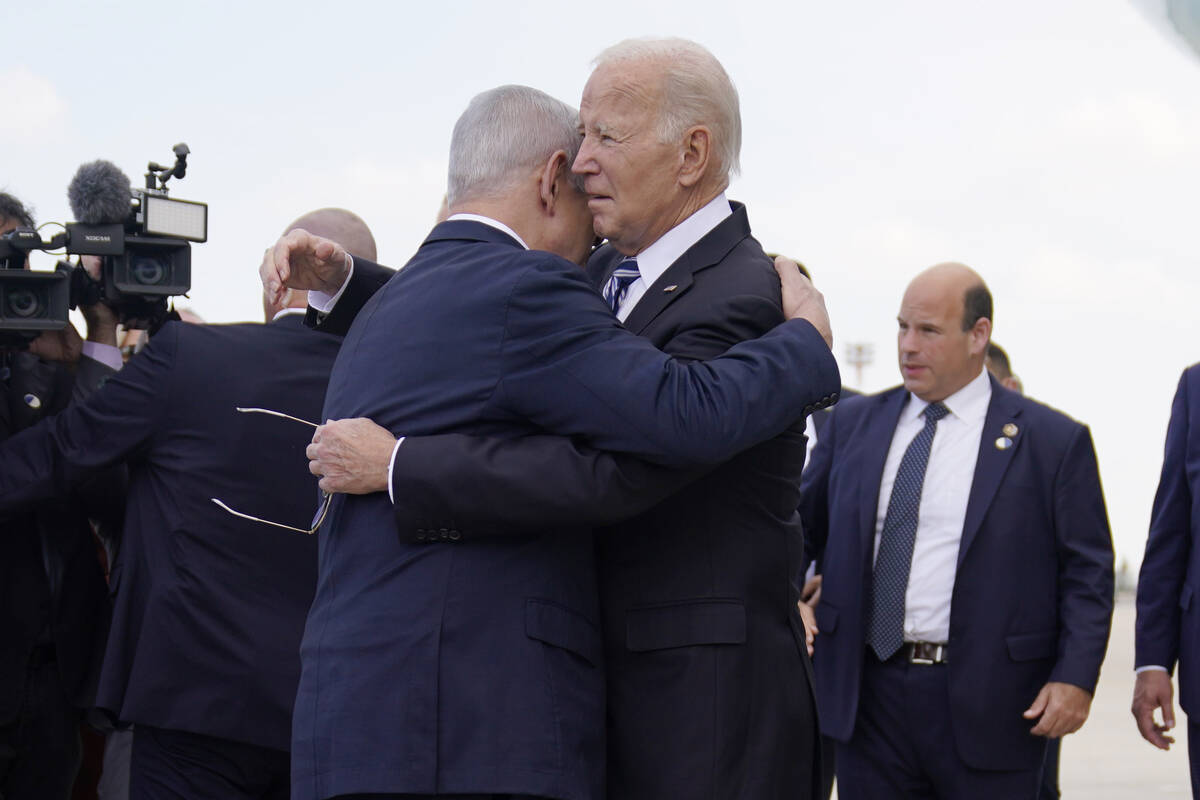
[619,282]
[889,587]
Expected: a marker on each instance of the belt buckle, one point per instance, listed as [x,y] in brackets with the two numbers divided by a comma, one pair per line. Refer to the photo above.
[927,653]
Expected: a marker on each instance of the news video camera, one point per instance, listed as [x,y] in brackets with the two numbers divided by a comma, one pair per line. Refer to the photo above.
[143,236]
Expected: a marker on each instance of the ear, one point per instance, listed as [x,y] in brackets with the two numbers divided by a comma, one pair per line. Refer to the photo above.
[697,152]
[550,180]
[981,334]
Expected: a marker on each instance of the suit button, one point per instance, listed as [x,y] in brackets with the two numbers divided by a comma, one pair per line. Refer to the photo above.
[455,535]
[420,535]
[445,534]
[834,397]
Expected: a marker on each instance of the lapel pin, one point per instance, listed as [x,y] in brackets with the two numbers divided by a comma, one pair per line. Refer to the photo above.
[33,401]
[671,288]
[1010,429]
[1003,443]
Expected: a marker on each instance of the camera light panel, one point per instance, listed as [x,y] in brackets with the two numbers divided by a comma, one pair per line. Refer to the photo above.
[181,219]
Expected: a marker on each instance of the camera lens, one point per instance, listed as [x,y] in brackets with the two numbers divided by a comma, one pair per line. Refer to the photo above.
[148,270]
[23,303]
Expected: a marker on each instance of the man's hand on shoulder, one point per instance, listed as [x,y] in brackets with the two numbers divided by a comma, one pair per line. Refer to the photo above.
[1152,691]
[300,260]
[1060,708]
[351,456]
[801,300]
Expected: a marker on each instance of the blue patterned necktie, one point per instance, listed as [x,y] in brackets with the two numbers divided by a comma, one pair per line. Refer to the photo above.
[890,584]
[619,282]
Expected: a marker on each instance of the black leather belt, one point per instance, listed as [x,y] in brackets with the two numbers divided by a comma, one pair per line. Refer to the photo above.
[925,653]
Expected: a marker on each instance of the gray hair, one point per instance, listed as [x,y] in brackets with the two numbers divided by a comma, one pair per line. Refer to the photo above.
[696,91]
[503,133]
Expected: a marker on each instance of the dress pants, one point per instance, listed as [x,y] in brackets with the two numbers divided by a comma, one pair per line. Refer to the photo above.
[176,765]
[903,743]
[1194,756]
[39,748]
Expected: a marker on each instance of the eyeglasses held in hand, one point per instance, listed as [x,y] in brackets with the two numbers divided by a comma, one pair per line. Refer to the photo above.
[326,497]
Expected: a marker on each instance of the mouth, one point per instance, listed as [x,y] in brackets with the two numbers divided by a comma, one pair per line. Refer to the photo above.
[911,369]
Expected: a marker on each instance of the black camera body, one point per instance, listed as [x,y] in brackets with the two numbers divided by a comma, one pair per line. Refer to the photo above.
[142,235]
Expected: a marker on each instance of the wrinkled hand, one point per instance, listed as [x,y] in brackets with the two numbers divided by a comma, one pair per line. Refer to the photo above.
[809,618]
[351,456]
[300,260]
[1152,690]
[801,300]
[1062,707]
[101,319]
[62,345]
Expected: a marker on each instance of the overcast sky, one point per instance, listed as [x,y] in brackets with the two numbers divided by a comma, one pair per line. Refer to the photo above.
[1055,147]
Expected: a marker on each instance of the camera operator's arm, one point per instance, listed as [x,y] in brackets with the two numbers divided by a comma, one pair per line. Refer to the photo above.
[98,356]
[114,424]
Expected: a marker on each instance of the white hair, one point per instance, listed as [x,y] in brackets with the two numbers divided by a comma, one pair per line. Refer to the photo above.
[505,132]
[696,91]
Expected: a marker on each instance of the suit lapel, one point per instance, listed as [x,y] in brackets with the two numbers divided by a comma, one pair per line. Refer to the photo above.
[880,430]
[992,463]
[710,250]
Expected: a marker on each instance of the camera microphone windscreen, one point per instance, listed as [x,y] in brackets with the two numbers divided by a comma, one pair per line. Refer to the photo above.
[99,194]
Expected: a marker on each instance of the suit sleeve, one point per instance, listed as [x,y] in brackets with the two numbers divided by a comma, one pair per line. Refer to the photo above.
[368,278]
[1085,566]
[572,369]
[113,424]
[814,494]
[540,482]
[1168,547]
[102,496]
[483,486]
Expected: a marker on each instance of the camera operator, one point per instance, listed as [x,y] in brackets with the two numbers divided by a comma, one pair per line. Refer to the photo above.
[53,599]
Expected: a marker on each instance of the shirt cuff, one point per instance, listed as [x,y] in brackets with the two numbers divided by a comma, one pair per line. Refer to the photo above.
[391,464]
[325,302]
[1146,668]
[107,354]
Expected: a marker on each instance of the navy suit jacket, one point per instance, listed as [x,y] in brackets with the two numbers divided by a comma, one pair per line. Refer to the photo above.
[1033,591]
[208,608]
[1168,625]
[708,694]
[476,665]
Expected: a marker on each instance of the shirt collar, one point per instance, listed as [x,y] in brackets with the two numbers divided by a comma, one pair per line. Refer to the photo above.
[666,250]
[968,404]
[495,223]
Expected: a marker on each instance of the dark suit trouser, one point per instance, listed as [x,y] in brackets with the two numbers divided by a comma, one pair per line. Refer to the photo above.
[176,765]
[1194,756]
[39,749]
[903,743]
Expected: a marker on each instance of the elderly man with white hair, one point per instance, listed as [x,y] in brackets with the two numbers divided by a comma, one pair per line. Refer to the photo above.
[709,682]
[438,663]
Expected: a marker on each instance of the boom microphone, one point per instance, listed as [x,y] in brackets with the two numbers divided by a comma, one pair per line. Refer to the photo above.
[99,194]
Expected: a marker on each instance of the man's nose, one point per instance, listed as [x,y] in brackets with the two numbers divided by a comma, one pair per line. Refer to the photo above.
[584,161]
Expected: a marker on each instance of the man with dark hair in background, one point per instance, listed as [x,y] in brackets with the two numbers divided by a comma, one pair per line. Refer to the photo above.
[203,656]
[998,364]
[53,607]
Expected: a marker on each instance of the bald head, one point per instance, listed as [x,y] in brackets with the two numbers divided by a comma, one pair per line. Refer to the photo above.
[342,226]
[945,324]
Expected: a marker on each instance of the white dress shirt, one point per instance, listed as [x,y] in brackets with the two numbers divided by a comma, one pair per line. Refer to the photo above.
[943,509]
[654,260]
